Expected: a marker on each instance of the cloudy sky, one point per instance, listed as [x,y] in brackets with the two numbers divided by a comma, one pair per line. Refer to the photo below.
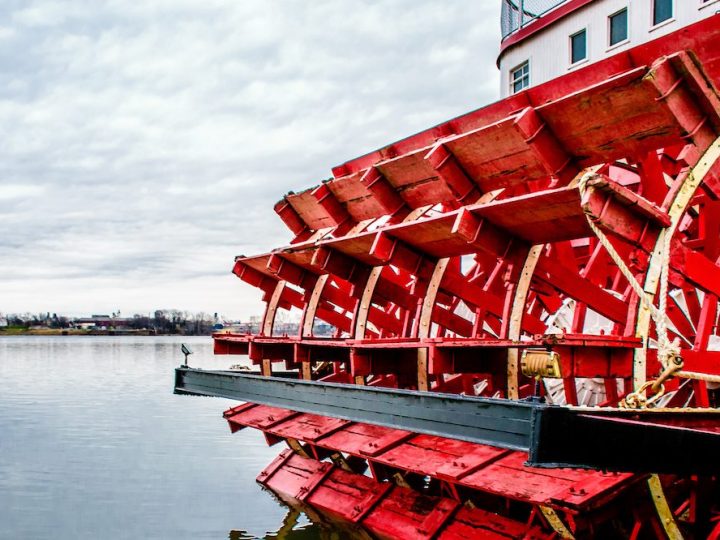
[145,143]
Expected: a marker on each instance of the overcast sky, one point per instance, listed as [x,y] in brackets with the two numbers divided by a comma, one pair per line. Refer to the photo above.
[145,143]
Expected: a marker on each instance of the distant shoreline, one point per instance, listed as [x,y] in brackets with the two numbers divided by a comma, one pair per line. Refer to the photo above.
[80,332]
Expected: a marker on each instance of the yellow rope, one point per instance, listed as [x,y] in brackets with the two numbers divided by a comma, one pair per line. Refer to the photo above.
[665,346]
[668,351]
[707,377]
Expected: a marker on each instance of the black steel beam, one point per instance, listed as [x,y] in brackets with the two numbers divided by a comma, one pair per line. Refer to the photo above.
[498,422]
[661,441]
[656,441]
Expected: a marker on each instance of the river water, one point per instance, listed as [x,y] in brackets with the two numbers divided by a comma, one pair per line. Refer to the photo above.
[94,444]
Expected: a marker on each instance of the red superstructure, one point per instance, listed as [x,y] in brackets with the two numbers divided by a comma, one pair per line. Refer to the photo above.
[561,243]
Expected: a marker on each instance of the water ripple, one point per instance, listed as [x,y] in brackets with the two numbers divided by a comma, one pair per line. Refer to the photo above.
[94,444]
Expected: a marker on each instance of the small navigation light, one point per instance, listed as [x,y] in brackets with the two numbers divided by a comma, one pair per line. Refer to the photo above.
[187,352]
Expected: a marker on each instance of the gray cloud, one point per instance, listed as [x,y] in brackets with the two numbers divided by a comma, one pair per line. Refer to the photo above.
[144,143]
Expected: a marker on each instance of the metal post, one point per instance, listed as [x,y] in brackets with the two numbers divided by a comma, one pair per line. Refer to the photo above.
[187,352]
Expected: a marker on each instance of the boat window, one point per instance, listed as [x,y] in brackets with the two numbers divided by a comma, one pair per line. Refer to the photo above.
[578,46]
[520,77]
[618,27]
[662,11]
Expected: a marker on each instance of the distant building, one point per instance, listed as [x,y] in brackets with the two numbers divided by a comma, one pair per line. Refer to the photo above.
[239,327]
[102,322]
[286,328]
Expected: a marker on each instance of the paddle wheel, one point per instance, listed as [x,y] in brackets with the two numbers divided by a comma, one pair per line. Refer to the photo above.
[555,251]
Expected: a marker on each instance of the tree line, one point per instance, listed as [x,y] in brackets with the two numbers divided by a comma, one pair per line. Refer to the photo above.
[161,321]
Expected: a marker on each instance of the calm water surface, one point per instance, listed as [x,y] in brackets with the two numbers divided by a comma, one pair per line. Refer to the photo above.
[93,444]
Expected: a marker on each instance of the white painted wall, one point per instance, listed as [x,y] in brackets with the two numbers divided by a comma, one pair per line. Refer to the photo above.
[549,50]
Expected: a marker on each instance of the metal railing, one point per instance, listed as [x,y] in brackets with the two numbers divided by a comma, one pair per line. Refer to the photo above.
[517,13]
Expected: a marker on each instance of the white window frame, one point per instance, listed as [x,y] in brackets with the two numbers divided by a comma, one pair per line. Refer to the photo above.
[610,46]
[587,47]
[512,79]
[653,25]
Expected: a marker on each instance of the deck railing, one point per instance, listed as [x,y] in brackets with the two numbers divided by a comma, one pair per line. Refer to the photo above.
[518,13]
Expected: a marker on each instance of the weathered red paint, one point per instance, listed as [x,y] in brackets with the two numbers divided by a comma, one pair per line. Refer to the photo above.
[459,465]
[440,258]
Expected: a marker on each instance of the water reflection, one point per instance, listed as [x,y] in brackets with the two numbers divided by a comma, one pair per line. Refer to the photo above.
[304,523]
[291,529]
[94,444]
